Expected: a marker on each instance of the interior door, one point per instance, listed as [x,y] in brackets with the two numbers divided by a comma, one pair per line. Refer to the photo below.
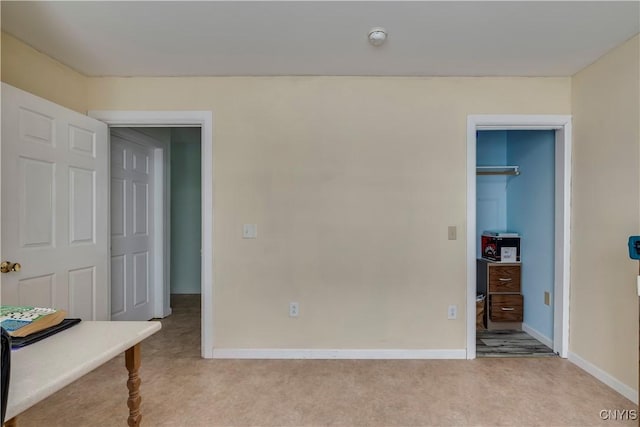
[54,206]
[131,227]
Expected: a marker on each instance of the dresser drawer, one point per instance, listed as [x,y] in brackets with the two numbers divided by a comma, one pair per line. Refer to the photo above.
[504,278]
[505,308]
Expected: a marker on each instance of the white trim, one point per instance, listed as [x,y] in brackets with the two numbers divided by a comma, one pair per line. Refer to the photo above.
[537,335]
[166,303]
[471,237]
[519,127]
[159,233]
[300,353]
[601,375]
[562,248]
[562,125]
[520,121]
[204,119]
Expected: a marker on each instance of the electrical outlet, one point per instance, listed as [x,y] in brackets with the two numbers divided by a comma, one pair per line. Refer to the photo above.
[294,309]
[452,313]
[547,298]
[452,232]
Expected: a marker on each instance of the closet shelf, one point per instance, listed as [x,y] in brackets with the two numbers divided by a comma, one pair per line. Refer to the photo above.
[498,170]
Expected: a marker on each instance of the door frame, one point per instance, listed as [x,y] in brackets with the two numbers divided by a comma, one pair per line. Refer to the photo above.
[562,126]
[203,119]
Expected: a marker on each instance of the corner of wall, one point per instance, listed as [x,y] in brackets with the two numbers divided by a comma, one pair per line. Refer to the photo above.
[26,68]
[606,130]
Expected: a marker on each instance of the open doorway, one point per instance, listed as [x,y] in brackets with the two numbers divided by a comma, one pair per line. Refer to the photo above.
[186,225]
[515,197]
[561,128]
[204,121]
[155,221]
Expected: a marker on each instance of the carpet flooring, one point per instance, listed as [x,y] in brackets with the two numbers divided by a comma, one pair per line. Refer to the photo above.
[509,343]
[181,389]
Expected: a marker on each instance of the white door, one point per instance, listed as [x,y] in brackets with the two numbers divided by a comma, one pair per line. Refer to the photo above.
[131,228]
[54,206]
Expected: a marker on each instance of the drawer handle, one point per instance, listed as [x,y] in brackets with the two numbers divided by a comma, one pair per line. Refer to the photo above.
[505,280]
[507,308]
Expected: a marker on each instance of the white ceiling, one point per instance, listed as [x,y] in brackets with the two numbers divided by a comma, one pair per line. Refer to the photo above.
[149,38]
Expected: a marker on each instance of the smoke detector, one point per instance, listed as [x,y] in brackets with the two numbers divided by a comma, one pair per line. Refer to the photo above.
[377,36]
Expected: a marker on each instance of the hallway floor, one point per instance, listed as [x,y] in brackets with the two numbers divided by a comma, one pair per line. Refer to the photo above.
[181,389]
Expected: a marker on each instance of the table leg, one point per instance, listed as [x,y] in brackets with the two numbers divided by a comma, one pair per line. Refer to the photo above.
[11,423]
[132,362]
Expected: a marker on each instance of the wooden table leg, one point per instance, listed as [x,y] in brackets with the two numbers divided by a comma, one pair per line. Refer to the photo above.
[132,362]
[11,423]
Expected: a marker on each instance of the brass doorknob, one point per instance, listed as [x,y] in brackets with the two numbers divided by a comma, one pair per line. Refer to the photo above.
[8,267]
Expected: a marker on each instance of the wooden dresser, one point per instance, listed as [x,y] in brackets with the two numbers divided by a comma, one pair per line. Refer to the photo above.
[500,282]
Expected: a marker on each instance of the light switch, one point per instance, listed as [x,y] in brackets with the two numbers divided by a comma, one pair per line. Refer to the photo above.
[452,232]
[250,231]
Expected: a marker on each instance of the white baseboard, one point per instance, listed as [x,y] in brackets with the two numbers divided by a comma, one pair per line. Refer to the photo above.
[297,353]
[537,335]
[612,382]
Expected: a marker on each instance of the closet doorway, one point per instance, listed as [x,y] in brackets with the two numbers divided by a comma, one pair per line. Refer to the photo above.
[515,198]
[538,213]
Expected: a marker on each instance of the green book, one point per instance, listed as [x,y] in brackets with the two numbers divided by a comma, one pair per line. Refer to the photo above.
[20,321]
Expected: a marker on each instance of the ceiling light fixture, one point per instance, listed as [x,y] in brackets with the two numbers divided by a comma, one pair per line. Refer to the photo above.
[377,36]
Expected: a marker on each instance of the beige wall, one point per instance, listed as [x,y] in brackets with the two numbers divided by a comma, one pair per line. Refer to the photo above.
[352,182]
[606,205]
[32,71]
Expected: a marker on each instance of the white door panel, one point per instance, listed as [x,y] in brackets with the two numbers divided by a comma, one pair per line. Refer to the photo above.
[36,182]
[118,207]
[82,141]
[54,203]
[118,280]
[35,127]
[82,212]
[81,291]
[36,291]
[131,215]
[140,278]
[140,208]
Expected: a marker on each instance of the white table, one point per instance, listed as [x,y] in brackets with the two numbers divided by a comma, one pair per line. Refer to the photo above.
[41,369]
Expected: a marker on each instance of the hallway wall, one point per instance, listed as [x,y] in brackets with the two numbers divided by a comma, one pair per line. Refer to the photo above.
[186,223]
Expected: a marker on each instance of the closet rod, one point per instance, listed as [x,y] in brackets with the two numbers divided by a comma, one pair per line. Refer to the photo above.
[498,170]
